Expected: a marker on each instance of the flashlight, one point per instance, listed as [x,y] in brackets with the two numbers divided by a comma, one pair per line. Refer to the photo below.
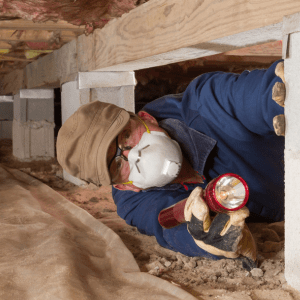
[227,192]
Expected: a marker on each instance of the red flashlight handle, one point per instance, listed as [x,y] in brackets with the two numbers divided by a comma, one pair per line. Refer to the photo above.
[174,215]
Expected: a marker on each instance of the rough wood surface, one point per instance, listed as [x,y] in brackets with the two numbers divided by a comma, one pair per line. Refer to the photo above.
[65,36]
[49,75]
[85,55]
[49,25]
[13,82]
[12,58]
[268,49]
[67,61]
[163,26]
[168,31]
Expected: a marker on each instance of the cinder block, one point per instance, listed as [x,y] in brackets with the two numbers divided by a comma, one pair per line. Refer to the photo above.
[72,98]
[92,80]
[20,108]
[33,140]
[6,129]
[32,109]
[7,98]
[37,93]
[6,110]
[122,96]
[40,109]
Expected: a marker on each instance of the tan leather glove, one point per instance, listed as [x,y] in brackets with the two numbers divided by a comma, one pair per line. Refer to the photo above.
[225,235]
[278,95]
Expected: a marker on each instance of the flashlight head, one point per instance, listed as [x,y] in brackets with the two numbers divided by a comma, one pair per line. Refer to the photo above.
[228,192]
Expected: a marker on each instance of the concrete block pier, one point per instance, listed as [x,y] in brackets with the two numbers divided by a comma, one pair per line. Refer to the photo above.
[6,116]
[33,125]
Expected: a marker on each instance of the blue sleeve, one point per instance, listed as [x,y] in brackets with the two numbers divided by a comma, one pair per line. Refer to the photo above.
[218,96]
[142,209]
[169,106]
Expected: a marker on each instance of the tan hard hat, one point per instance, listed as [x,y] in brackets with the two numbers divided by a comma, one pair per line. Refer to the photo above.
[83,140]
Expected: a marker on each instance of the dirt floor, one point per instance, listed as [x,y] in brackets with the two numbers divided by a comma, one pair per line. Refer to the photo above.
[205,279]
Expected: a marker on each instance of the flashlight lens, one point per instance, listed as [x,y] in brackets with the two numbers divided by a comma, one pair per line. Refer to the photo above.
[230,192]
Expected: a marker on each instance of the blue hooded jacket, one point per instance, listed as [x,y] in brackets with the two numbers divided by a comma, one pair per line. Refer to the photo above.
[224,123]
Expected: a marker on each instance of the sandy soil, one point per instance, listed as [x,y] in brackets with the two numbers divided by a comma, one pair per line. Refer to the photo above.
[205,279]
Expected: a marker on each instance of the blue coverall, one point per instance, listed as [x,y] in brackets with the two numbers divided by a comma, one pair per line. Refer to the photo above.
[236,111]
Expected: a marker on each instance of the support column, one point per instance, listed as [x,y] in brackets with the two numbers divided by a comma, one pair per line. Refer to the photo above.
[6,116]
[33,125]
[110,87]
[291,53]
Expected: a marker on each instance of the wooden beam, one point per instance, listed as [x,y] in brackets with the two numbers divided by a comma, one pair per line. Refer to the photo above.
[4,45]
[269,49]
[160,32]
[13,58]
[14,81]
[64,36]
[21,24]
[158,28]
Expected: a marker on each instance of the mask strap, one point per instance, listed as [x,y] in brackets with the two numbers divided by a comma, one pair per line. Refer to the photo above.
[148,130]
[128,182]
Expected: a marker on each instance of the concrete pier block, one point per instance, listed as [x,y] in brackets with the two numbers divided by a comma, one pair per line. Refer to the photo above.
[122,96]
[6,116]
[7,98]
[6,109]
[33,140]
[33,125]
[6,129]
[109,87]
[72,98]
[33,109]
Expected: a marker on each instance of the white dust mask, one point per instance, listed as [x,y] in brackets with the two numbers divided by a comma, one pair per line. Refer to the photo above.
[155,161]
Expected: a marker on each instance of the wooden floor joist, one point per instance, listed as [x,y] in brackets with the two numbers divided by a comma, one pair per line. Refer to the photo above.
[36,35]
[160,32]
[5,45]
[21,24]
[12,58]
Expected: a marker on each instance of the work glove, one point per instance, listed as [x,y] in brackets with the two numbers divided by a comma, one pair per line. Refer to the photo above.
[225,235]
[278,95]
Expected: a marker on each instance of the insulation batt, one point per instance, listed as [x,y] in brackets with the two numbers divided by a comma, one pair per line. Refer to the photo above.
[91,13]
